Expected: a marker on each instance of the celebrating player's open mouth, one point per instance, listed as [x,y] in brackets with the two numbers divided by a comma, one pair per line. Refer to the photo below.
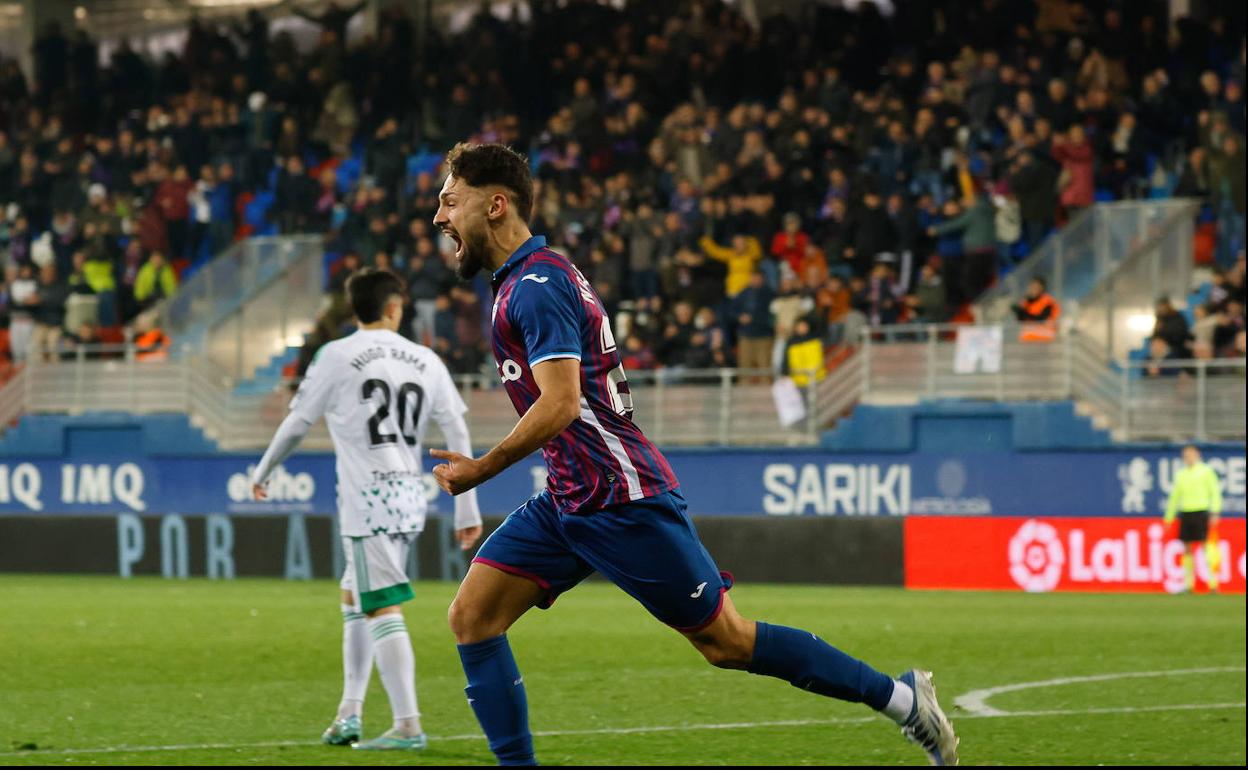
[466,224]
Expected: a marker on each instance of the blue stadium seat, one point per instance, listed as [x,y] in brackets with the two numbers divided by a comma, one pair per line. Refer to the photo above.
[257,211]
[349,171]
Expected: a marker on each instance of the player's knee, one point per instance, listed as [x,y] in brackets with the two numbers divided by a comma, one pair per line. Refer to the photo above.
[722,655]
[724,649]
[468,623]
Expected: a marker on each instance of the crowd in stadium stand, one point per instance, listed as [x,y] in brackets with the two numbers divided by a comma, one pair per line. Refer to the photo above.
[737,195]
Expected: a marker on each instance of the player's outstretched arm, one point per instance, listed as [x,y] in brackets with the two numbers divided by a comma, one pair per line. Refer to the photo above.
[305,408]
[559,380]
[289,434]
[467,513]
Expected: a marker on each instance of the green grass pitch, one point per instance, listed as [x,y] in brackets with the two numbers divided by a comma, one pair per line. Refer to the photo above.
[100,670]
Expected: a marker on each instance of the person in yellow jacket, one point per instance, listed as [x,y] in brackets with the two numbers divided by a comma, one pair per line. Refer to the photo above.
[803,355]
[1196,499]
[740,258]
[155,281]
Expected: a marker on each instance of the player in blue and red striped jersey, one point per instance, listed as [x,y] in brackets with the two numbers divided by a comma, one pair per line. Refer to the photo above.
[612,503]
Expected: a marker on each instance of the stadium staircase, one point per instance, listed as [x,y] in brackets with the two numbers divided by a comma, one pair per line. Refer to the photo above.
[271,376]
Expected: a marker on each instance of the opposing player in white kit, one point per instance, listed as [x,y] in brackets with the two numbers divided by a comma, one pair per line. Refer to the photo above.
[377,391]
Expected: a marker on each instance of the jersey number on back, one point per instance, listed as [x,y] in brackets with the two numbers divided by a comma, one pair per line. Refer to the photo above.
[621,398]
[409,392]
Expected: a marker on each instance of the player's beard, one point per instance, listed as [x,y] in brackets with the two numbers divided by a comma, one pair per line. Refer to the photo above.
[475,254]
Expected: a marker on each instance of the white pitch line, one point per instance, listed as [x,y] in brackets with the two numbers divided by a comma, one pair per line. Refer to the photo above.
[632,730]
[976,701]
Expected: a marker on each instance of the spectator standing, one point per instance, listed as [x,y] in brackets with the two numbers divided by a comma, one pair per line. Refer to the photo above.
[221,197]
[643,230]
[23,302]
[156,281]
[803,355]
[834,302]
[1073,151]
[871,233]
[1226,180]
[929,303]
[49,314]
[1171,326]
[174,202]
[755,333]
[740,258]
[977,227]
[295,197]
[883,307]
[789,245]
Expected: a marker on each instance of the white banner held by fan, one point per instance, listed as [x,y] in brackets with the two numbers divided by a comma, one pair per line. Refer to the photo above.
[789,402]
[979,350]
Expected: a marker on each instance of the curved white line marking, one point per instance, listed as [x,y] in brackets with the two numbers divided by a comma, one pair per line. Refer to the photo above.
[975,702]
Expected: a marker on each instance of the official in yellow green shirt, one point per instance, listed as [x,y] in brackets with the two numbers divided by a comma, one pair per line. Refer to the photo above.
[1196,498]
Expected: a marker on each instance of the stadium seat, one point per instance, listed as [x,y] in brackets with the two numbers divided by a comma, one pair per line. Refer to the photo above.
[1204,242]
[112,335]
[349,170]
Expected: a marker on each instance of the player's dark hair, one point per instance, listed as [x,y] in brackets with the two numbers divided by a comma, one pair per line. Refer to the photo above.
[486,164]
[1044,285]
[369,290]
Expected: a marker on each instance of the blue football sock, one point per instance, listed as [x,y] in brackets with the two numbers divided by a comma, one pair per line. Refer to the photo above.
[806,661]
[496,694]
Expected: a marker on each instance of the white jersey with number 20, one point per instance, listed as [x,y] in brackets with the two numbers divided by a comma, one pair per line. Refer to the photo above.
[377,392]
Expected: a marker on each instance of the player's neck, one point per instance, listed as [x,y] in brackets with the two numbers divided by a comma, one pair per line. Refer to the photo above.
[505,241]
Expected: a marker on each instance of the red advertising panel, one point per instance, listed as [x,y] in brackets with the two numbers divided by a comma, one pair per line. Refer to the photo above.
[1061,554]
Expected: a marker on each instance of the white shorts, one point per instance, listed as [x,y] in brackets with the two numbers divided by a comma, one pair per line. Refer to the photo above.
[376,570]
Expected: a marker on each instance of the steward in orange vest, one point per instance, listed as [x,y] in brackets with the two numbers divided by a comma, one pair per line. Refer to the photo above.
[1038,312]
[152,345]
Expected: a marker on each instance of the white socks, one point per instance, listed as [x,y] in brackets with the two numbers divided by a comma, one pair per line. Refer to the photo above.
[357,661]
[901,702]
[397,664]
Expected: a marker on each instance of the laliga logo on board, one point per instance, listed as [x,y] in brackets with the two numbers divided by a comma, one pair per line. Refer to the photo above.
[1039,558]
[1036,557]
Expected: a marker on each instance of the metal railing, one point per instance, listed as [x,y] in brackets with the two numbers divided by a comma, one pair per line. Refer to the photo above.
[1185,400]
[692,407]
[1118,312]
[249,302]
[1076,260]
[1201,399]
[12,399]
[904,363]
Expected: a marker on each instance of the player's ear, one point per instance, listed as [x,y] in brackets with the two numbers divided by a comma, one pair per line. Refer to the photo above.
[498,206]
